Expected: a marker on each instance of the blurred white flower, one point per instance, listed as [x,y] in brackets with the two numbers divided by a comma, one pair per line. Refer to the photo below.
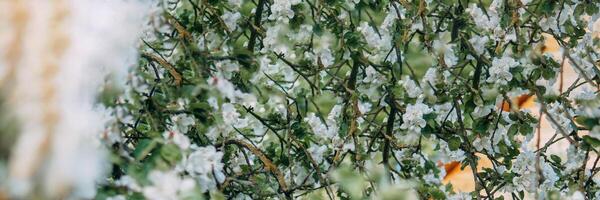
[181,122]
[230,19]
[203,163]
[478,43]
[178,139]
[129,183]
[230,114]
[316,152]
[72,47]
[447,50]
[411,87]
[445,112]
[167,186]
[487,22]
[281,10]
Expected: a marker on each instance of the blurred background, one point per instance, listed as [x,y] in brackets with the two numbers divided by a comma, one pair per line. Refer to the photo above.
[54,58]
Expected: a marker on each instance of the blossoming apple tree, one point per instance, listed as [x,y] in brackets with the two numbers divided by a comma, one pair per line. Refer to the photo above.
[353,99]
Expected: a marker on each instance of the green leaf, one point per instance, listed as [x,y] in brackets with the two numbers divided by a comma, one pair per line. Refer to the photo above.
[143,148]
[590,9]
[171,153]
[298,130]
[586,122]
[548,73]
[216,195]
[592,141]
[525,129]
[454,143]
[481,126]
[535,74]
[547,6]
[555,158]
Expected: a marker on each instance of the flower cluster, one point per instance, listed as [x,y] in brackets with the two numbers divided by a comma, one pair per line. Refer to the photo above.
[357,99]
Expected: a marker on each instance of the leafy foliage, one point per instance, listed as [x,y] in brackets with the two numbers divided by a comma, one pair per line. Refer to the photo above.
[356,99]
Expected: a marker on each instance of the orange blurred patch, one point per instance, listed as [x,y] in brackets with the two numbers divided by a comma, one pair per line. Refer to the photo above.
[523,101]
[462,179]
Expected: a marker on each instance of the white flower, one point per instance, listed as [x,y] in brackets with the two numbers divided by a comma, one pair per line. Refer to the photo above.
[481,111]
[204,160]
[205,165]
[392,16]
[372,76]
[550,176]
[482,143]
[167,186]
[327,130]
[229,113]
[431,76]
[322,52]
[212,101]
[230,19]
[248,99]
[499,134]
[326,57]
[431,178]
[577,195]
[318,127]
[316,152]
[129,183]
[585,94]
[275,42]
[278,105]
[447,155]
[281,10]
[231,116]
[413,117]
[478,43]
[181,103]
[372,38]
[582,66]
[364,107]
[446,49]
[304,34]
[411,87]
[177,138]
[223,85]
[334,113]
[374,80]
[460,196]
[524,165]
[490,142]
[116,197]
[575,159]
[181,122]
[111,133]
[219,130]
[481,20]
[556,110]
[445,112]
[226,67]
[500,70]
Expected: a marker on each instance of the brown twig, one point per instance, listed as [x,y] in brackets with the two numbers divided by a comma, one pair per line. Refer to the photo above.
[266,163]
[178,78]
